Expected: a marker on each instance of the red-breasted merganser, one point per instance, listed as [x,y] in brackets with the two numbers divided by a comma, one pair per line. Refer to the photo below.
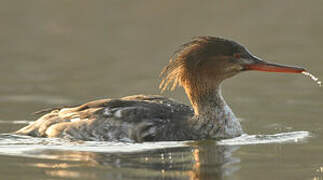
[199,67]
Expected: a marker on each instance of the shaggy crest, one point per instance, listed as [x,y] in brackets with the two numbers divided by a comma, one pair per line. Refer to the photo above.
[190,55]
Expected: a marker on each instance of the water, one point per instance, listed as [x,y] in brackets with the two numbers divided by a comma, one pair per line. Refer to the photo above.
[56,53]
[18,145]
[160,158]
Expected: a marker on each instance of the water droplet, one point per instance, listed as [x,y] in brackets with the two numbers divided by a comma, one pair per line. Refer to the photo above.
[162,156]
[315,79]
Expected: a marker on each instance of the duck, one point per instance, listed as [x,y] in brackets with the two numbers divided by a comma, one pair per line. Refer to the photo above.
[199,66]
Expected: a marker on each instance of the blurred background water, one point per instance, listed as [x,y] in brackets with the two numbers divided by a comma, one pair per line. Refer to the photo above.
[55,53]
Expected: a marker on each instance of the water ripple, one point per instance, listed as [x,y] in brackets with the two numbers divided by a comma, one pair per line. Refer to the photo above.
[18,145]
[285,137]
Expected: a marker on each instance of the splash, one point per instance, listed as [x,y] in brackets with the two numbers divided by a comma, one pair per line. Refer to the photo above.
[315,79]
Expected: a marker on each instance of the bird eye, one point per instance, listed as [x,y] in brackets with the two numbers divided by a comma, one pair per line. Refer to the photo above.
[238,56]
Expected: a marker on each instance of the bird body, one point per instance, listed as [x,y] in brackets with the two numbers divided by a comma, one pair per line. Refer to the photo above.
[199,66]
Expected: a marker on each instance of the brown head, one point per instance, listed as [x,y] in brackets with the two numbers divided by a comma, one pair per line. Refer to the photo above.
[202,64]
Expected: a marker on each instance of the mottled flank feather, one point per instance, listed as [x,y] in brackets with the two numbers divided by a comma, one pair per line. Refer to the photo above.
[133,119]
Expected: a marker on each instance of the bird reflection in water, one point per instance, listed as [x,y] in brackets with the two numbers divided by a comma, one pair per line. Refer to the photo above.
[202,160]
[213,162]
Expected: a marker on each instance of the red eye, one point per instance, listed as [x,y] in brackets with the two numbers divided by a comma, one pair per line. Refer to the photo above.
[237,56]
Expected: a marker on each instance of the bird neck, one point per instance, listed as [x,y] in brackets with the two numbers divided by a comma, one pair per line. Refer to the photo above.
[204,99]
[212,115]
